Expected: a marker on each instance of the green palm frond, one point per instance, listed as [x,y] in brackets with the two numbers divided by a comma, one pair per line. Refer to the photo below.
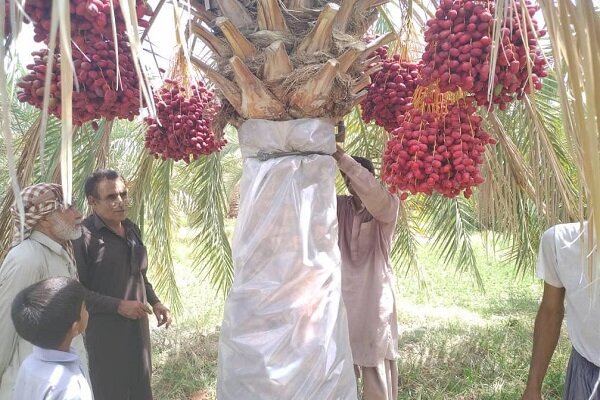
[449,223]
[405,245]
[524,242]
[126,144]
[362,139]
[158,233]
[154,209]
[49,169]
[85,162]
[139,184]
[232,169]
[203,183]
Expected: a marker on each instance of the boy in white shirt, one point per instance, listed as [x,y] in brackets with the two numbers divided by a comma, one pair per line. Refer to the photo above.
[50,314]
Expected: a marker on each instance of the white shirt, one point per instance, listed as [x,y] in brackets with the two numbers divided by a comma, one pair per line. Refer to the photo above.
[51,375]
[561,263]
[36,258]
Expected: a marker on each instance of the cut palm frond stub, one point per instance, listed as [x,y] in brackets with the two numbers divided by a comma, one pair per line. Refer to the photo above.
[278,63]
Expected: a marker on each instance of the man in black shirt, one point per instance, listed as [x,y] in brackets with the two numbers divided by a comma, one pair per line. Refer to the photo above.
[112,263]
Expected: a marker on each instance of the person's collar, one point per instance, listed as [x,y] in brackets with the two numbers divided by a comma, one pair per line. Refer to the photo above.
[46,241]
[55,356]
[99,223]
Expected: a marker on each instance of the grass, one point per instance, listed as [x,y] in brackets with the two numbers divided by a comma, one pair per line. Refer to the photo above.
[456,342]
[185,355]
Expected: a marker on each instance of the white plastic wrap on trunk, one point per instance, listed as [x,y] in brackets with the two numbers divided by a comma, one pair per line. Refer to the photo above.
[285,333]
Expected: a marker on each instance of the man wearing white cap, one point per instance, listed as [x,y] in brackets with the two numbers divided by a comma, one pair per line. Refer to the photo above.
[40,249]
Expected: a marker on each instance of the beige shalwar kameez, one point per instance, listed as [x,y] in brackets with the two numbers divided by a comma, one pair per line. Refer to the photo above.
[36,258]
[365,237]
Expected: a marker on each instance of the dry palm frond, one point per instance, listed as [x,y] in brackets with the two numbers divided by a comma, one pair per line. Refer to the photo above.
[506,173]
[52,172]
[505,207]
[61,18]
[15,22]
[61,10]
[233,202]
[128,8]
[575,35]
[508,183]
[409,43]
[5,121]
[425,8]
[54,25]
[517,165]
[25,168]
[500,8]
[157,9]
[555,196]
[184,52]
[521,195]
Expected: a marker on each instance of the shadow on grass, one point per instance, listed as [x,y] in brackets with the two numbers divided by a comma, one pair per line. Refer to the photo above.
[185,365]
[515,303]
[451,361]
[467,362]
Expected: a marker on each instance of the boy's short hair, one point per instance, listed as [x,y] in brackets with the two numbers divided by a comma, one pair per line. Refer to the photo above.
[44,312]
[366,163]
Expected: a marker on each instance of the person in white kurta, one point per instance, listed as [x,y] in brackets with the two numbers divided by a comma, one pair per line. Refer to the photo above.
[563,265]
[366,221]
[42,252]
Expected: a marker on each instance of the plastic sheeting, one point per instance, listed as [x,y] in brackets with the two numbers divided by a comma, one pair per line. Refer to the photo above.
[285,332]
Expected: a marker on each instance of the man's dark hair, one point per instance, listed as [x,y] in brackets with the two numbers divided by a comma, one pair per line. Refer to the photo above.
[44,312]
[91,183]
[365,162]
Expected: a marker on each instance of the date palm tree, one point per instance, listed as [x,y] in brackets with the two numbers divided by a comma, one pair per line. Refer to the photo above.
[532,174]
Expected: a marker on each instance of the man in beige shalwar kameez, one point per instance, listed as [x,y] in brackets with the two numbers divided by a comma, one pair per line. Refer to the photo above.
[41,249]
[366,221]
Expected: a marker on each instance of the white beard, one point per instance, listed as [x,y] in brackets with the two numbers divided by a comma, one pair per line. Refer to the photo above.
[63,230]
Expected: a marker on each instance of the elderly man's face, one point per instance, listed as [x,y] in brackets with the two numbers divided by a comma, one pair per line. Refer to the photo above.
[65,224]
